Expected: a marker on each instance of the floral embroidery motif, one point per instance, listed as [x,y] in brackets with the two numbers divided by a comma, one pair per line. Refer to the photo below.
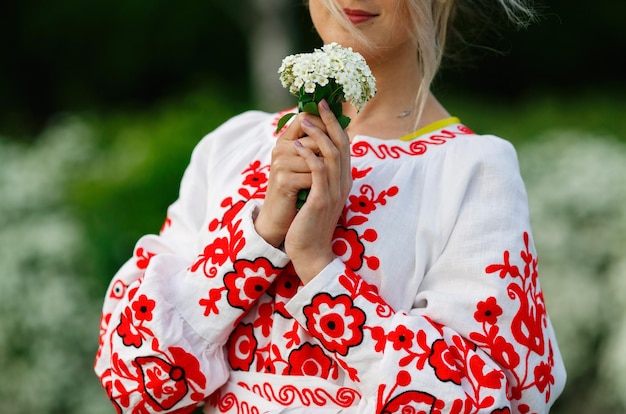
[161,381]
[248,281]
[162,378]
[488,311]
[241,347]
[118,290]
[143,258]
[309,360]
[347,242]
[256,178]
[348,247]
[527,325]
[143,308]
[220,250]
[413,402]
[131,327]
[283,289]
[457,360]
[335,321]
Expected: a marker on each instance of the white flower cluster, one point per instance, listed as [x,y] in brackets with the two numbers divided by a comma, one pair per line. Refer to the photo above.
[348,68]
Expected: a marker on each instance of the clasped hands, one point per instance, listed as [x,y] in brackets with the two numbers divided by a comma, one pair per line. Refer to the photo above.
[314,152]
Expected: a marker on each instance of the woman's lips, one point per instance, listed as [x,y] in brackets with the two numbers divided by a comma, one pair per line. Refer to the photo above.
[359,16]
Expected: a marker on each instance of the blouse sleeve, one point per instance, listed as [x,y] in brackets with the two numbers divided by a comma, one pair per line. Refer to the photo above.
[166,315]
[478,338]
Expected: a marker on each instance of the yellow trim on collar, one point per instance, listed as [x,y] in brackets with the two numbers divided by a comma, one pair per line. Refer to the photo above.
[442,123]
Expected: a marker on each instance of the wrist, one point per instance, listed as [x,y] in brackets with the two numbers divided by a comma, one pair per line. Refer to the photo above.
[309,267]
[268,232]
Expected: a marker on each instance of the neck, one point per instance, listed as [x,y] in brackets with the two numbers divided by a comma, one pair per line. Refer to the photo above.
[397,82]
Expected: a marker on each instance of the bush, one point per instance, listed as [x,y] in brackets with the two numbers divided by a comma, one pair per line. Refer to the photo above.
[73,203]
[48,323]
[577,196]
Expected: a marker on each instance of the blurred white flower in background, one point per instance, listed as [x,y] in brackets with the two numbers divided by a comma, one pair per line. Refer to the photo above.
[48,323]
[577,190]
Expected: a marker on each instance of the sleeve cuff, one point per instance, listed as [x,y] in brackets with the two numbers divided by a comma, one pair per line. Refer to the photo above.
[200,296]
[325,281]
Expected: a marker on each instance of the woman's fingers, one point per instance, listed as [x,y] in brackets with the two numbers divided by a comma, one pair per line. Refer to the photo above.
[334,130]
[295,130]
[334,147]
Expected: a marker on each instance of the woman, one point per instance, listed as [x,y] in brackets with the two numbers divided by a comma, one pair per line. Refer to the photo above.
[408,280]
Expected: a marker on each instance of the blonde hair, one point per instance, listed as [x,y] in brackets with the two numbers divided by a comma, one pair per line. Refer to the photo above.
[432,22]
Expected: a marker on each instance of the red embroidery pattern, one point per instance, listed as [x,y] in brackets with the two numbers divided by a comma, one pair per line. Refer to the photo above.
[456,360]
[309,360]
[162,378]
[166,224]
[248,281]
[118,290]
[527,327]
[226,402]
[222,249]
[413,402]
[241,347]
[335,321]
[131,327]
[242,289]
[414,148]
[143,258]
[339,325]
[347,242]
[161,381]
[285,395]
[289,394]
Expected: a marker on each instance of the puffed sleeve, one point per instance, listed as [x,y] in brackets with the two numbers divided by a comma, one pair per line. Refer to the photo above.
[478,337]
[167,313]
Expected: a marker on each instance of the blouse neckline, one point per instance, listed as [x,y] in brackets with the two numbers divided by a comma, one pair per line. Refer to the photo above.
[433,126]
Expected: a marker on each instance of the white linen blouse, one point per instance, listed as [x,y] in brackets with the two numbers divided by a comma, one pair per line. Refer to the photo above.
[432,304]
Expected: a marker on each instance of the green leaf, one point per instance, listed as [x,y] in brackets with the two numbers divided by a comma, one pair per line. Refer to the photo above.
[282,121]
[310,108]
[344,121]
[305,97]
[336,108]
[322,92]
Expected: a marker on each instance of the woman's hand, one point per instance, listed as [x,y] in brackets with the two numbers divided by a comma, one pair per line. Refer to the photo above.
[308,242]
[314,152]
[289,173]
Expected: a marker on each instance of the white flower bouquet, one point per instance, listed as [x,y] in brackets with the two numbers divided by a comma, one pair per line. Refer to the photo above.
[334,73]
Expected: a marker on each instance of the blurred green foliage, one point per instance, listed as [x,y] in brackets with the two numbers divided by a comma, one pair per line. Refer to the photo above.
[137,166]
[72,55]
[525,120]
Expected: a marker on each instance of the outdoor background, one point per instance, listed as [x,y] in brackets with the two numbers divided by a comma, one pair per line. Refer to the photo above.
[101,103]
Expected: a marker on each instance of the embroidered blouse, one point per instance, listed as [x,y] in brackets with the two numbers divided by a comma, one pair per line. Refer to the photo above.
[433,303]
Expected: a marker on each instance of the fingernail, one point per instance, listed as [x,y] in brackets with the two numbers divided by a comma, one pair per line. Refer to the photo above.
[324,104]
[298,144]
[307,123]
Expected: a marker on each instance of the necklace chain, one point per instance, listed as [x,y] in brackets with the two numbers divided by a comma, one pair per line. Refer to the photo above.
[405,113]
